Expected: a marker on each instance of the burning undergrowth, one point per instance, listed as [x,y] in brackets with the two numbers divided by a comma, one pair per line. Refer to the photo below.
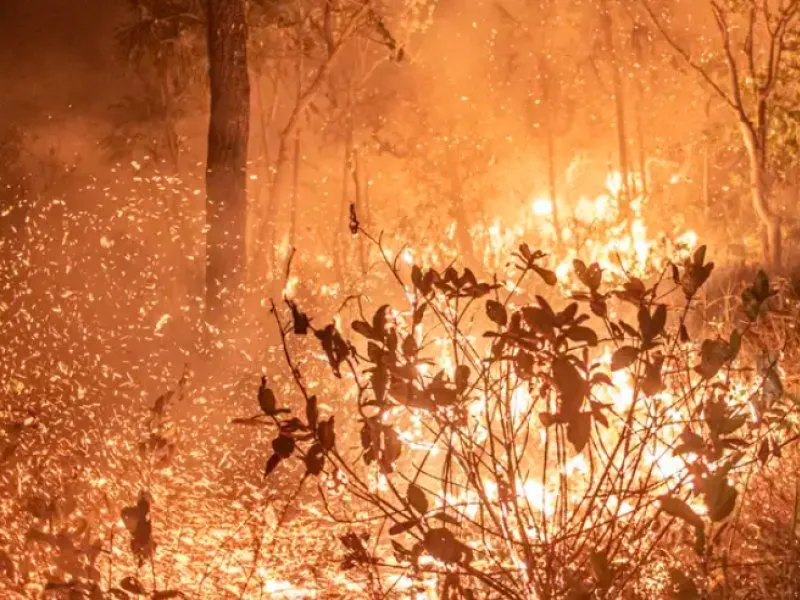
[538,449]
[538,424]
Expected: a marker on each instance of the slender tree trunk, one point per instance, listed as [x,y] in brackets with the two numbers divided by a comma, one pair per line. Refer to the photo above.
[267,119]
[340,254]
[459,214]
[770,222]
[226,164]
[641,145]
[301,65]
[551,104]
[261,195]
[552,185]
[277,196]
[705,192]
[607,25]
[295,194]
[362,209]
[281,175]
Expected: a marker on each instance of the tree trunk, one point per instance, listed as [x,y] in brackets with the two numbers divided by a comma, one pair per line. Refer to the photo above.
[226,164]
[301,65]
[362,210]
[295,194]
[704,184]
[552,184]
[770,222]
[641,145]
[607,26]
[459,214]
[340,254]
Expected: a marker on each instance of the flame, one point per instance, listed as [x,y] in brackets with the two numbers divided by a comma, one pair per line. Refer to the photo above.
[542,207]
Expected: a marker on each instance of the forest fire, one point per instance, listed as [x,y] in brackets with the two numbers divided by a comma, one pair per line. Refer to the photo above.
[432,300]
[229,547]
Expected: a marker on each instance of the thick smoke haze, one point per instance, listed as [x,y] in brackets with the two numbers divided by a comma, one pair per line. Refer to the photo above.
[59,74]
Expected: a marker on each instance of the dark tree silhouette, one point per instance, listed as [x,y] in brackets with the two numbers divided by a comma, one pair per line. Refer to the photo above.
[226,177]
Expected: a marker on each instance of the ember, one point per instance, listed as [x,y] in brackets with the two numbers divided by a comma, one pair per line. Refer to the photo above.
[417,299]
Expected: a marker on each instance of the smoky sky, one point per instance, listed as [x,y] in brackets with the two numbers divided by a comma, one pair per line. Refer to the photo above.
[56,56]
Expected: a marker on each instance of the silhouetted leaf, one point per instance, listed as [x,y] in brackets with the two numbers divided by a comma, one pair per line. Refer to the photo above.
[399,528]
[410,347]
[763,451]
[630,331]
[379,322]
[598,307]
[547,419]
[695,273]
[571,384]
[444,517]
[652,383]
[659,319]
[582,334]
[546,274]
[137,520]
[419,313]
[266,398]
[312,413]
[578,430]
[283,446]
[496,312]
[713,355]
[300,321]
[326,434]
[720,496]
[690,442]
[416,277]
[590,276]
[335,348]
[601,379]
[566,316]
[272,462]
[416,498]
[524,365]
[442,544]
[623,358]
[462,377]
[676,277]
[597,413]
[315,460]
[538,320]
[391,448]
[267,401]
[362,328]
[678,508]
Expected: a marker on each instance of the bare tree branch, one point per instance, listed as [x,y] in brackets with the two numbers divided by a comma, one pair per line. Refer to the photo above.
[686,56]
[322,74]
[733,69]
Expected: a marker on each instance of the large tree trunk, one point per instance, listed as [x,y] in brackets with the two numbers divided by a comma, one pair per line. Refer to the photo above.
[226,165]
[770,222]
